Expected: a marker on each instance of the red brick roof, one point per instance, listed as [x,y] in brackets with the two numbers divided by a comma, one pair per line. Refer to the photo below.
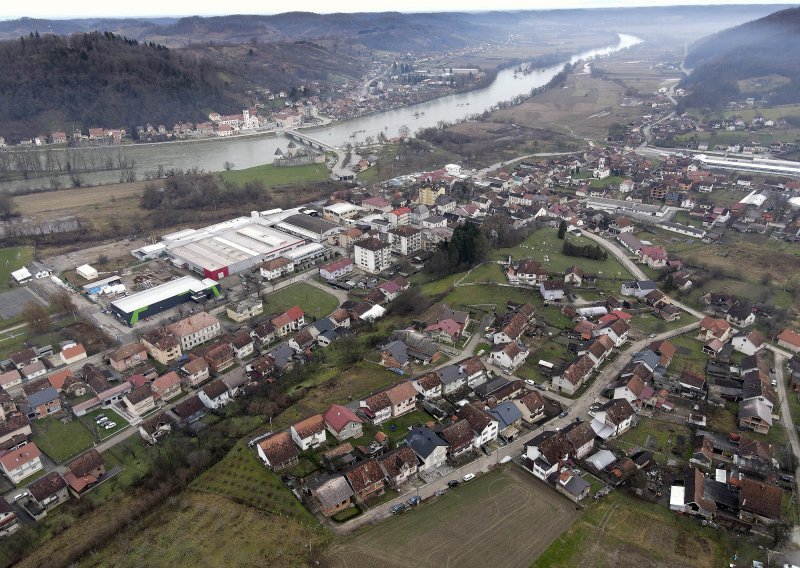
[337,417]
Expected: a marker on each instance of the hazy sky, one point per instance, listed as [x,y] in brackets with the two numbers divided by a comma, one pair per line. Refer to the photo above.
[10,9]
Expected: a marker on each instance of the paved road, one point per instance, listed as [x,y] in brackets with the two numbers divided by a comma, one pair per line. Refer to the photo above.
[483,463]
[633,268]
[786,417]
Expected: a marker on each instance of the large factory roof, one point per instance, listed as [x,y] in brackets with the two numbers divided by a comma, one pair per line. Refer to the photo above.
[130,304]
[216,249]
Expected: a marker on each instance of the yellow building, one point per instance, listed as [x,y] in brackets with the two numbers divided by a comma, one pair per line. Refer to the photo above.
[428,195]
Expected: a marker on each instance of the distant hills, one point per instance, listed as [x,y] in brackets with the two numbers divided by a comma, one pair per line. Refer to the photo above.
[759,59]
[99,79]
[50,82]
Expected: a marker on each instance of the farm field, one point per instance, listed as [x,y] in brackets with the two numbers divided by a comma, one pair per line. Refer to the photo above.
[497,516]
[241,477]
[311,299]
[195,529]
[585,108]
[39,204]
[12,259]
[622,531]
[272,176]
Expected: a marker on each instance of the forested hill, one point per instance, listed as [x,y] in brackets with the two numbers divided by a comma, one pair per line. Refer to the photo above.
[99,79]
[758,59]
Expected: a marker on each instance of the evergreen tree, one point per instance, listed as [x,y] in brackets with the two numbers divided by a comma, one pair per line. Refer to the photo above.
[562,229]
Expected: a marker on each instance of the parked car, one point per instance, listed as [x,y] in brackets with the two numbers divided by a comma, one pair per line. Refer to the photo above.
[453,483]
[530,383]
[415,500]
[101,421]
[506,459]
[110,425]
[399,508]
[563,413]
[469,477]
[19,496]
[542,387]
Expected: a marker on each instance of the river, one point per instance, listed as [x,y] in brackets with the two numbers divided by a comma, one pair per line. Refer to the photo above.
[249,151]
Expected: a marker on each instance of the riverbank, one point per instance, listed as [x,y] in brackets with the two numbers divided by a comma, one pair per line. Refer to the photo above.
[257,149]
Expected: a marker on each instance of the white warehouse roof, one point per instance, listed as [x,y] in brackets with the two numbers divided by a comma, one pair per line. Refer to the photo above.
[162,292]
[304,250]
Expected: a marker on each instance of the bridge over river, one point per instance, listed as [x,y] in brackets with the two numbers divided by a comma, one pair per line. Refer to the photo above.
[339,170]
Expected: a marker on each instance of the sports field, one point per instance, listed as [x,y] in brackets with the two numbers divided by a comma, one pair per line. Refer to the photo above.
[311,299]
[506,518]
[12,259]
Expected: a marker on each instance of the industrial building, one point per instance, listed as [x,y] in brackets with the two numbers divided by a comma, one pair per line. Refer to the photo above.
[308,227]
[301,222]
[148,303]
[110,285]
[230,247]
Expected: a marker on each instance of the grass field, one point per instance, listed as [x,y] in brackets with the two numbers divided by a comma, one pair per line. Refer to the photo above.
[658,437]
[60,441]
[546,242]
[648,323]
[505,518]
[689,355]
[272,176]
[356,381]
[622,531]
[310,298]
[486,272]
[90,421]
[196,529]
[12,259]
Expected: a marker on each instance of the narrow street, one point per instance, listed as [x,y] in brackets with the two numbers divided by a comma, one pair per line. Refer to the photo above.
[634,269]
[578,408]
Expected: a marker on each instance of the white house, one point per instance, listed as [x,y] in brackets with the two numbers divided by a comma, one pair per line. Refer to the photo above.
[337,268]
[637,288]
[276,268]
[748,343]
[342,422]
[21,462]
[484,427]
[509,356]
[617,331]
[545,453]
[310,432]
[430,448]
[214,395]
[429,386]
[613,418]
[552,290]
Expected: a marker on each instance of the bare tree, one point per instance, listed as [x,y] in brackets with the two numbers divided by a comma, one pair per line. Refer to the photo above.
[36,316]
[7,207]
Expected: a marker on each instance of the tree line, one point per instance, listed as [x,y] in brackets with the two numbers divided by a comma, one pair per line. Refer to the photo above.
[594,252]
